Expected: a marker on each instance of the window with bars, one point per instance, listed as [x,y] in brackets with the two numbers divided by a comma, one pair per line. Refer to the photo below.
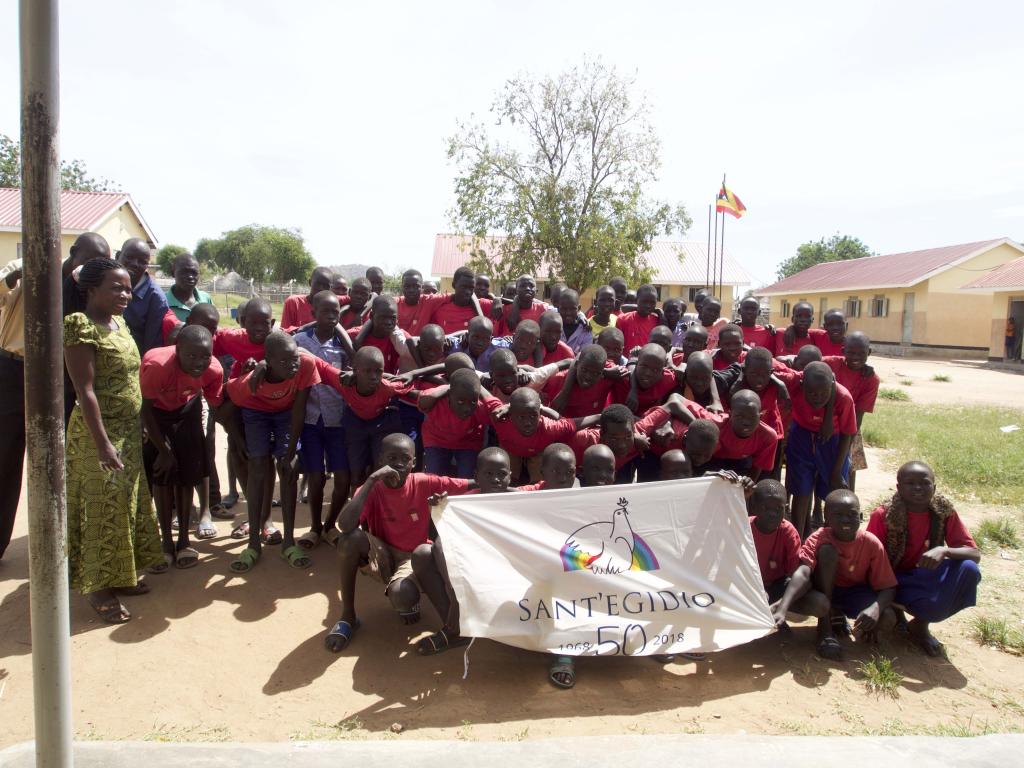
[784,309]
[851,307]
[879,306]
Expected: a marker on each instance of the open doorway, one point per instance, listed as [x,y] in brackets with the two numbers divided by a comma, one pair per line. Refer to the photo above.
[1013,343]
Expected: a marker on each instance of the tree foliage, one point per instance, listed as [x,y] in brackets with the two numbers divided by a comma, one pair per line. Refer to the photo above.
[166,255]
[259,253]
[73,174]
[836,248]
[562,172]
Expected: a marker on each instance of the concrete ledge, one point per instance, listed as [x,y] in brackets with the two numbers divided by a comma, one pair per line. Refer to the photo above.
[998,751]
[935,353]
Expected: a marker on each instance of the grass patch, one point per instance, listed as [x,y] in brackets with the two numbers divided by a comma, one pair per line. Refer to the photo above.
[996,633]
[997,533]
[941,377]
[163,732]
[906,382]
[880,676]
[970,456]
[888,393]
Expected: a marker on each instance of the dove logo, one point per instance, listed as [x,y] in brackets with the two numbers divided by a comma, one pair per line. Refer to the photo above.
[608,546]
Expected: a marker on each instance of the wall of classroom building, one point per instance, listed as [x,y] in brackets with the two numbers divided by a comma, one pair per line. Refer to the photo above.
[121,226]
[667,291]
[1001,306]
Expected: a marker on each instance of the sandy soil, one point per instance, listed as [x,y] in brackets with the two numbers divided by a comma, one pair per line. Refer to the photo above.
[212,656]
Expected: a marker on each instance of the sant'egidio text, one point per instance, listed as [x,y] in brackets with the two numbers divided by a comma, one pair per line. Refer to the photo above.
[613,605]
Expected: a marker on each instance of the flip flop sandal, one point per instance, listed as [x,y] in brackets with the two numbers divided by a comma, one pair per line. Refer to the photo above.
[340,636]
[296,557]
[245,561]
[562,666]
[163,567]
[206,530]
[840,625]
[331,536]
[308,540]
[929,644]
[111,613]
[271,536]
[187,558]
[229,501]
[240,531]
[222,511]
[664,658]
[829,648]
[439,642]
[141,588]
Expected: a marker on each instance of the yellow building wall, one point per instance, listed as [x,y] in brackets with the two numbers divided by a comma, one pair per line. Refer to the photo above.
[1000,311]
[121,226]
[888,329]
[9,246]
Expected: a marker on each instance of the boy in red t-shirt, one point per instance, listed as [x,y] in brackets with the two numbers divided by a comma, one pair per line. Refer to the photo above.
[248,342]
[553,348]
[355,313]
[730,347]
[387,519]
[832,335]
[755,335]
[746,445]
[383,333]
[651,382]
[777,544]
[931,550]
[413,309]
[636,326]
[674,465]
[818,447]
[557,469]
[853,372]
[597,467]
[298,310]
[456,424]
[273,413]
[524,306]
[454,311]
[171,379]
[849,569]
[584,389]
[796,335]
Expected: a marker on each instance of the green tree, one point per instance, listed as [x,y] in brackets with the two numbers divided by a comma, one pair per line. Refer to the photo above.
[836,248]
[259,253]
[166,255]
[73,174]
[562,172]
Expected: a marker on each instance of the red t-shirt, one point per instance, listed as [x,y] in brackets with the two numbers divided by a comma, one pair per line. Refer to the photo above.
[168,324]
[918,528]
[536,309]
[719,363]
[298,311]
[861,561]
[401,516]
[561,352]
[582,402]
[585,438]
[385,345]
[548,431]
[863,389]
[758,336]
[443,429]
[844,417]
[452,317]
[412,317]
[275,396]
[778,553]
[370,406]
[235,342]
[780,344]
[635,329]
[760,445]
[819,337]
[169,387]
[656,395]
[542,485]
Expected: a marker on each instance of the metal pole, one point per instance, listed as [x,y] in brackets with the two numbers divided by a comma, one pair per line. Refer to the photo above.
[714,258]
[44,391]
[707,261]
[721,269]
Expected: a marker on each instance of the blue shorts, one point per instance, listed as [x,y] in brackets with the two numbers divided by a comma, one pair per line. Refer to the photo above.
[809,462]
[266,434]
[323,449]
[852,600]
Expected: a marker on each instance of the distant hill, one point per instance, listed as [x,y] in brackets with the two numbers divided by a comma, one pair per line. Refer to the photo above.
[350,271]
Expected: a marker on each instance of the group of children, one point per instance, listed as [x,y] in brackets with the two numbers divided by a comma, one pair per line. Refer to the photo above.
[404,400]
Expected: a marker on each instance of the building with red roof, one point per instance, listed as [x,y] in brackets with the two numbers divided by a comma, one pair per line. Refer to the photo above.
[680,268]
[913,302]
[1006,284]
[112,214]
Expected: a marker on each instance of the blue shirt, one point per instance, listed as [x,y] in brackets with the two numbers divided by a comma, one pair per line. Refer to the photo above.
[324,400]
[145,314]
[483,362]
[581,336]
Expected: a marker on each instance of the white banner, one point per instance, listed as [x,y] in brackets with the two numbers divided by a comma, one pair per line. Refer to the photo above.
[637,569]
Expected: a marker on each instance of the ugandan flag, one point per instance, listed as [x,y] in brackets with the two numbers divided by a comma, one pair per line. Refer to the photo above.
[728,203]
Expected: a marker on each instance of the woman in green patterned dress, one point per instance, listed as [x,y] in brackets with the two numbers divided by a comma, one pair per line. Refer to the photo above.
[112,528]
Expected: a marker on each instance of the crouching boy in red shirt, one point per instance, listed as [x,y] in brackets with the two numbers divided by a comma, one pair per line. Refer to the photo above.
[848,568]
[386,520]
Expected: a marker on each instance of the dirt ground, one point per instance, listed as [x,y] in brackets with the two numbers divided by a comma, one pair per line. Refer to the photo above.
[213,656]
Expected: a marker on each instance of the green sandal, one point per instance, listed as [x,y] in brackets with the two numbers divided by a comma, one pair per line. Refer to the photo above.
[296,557]
[562,672]
[246,560]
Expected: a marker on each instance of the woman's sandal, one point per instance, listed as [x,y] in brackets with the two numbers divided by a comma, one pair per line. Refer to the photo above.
[111,612]
[439,642]
[308,540]
[829,648]
[240,531]
[271,536]
[222,511]
[206,530]
[161,567]
[562,672]
[245,560]
[340,636]
[186,558]
[228,501]
[331,536]
[296,557]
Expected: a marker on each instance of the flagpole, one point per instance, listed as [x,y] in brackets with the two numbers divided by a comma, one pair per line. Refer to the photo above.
[707,253]
[721,254]
[714,255]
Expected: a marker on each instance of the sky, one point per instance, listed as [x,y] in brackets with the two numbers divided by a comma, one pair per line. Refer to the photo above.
[898,123]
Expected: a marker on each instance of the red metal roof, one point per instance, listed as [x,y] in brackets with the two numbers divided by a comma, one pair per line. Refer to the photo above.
[1008,277]
[452,251]
[894,270]
[79,211]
